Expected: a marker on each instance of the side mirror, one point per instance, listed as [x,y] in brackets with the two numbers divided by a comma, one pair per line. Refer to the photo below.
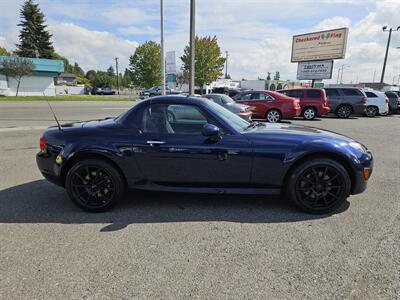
[210,130]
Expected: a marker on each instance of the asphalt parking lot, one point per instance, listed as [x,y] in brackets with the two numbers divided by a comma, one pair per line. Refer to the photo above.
[180,246]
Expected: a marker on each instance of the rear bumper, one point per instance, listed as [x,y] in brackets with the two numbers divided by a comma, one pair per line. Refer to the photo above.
[359,109]
[325,110]
[49,169]
[246,116]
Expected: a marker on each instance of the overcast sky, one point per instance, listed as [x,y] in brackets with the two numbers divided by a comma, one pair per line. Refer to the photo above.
[257,33]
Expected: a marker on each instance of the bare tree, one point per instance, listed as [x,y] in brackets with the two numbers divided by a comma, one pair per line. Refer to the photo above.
[16,67]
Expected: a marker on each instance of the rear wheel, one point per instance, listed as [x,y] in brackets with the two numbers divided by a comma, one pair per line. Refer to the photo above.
[94,185]
[344,111]
[371,111]
[318,186]
[273,116]
[309,113]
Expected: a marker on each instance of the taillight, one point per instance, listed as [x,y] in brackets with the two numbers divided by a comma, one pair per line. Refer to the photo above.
[42,144]
[242,111]
[364,100]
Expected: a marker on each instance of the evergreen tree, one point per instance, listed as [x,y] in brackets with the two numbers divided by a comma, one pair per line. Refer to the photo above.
[110,71]
[34,36]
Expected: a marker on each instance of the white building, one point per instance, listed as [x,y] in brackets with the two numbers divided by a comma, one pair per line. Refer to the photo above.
[39,83]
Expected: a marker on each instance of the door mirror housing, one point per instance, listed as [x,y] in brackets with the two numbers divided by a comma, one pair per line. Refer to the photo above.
[210,130]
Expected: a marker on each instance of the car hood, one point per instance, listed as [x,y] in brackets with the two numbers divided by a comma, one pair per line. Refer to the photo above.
[294,132]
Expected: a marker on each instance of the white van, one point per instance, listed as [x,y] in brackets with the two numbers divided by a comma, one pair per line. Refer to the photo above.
[377,103]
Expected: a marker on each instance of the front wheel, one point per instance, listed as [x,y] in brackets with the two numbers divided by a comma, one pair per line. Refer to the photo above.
[318,186]
[273,116]
[94,185]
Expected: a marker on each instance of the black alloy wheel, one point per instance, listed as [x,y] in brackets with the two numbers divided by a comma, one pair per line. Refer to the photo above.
[319,186]
[344,111]
[94,185]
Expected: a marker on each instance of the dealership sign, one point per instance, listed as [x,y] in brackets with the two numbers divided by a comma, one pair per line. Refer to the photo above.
[323,45]
[315,70]
[170,62]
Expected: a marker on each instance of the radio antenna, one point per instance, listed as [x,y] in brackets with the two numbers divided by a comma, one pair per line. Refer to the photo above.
[54,115]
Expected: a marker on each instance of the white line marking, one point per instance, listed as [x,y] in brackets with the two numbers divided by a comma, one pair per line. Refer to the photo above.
[117,108]
[22,128]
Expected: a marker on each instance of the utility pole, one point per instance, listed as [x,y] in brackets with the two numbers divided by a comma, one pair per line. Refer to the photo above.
[384,28]
[192,52]
[226,64]
[116,69]
[162,48]
[373,80]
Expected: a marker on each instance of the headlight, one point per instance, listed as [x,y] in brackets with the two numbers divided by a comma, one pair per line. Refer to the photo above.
[358,146]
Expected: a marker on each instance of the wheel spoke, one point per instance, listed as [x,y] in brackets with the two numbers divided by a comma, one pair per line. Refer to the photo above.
[333,195]
[307,179]
[333,178]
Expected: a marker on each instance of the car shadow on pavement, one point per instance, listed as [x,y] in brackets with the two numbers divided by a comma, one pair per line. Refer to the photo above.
[41,202]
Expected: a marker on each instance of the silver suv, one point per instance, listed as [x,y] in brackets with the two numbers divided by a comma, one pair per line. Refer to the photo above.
[346,101]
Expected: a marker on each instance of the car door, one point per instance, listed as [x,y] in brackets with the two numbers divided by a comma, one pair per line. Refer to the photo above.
[262,102]
[174,151]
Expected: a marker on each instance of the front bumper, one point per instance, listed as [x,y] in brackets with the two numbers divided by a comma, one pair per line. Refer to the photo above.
[359,182]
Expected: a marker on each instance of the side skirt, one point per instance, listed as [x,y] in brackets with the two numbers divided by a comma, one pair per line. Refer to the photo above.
[205,190]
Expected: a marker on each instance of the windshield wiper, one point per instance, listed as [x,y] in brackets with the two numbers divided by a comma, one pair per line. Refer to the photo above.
[254,125]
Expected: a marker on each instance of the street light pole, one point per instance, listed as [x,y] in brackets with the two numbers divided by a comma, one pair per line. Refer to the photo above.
[116,70]
[162,48]
[226,65]
[384,28]
[192,45]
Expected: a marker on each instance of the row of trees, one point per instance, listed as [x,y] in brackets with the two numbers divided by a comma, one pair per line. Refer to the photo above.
[145,65]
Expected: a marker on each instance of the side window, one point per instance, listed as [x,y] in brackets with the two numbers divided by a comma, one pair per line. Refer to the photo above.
[371,95]
[172,119]
[295,94]
[314,94]
[244,97]
[332,92]
[351,92]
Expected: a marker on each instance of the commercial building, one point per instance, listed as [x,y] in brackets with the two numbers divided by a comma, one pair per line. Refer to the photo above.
[39,83]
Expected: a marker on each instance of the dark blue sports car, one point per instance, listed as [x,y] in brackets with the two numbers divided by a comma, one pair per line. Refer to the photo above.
[183,144]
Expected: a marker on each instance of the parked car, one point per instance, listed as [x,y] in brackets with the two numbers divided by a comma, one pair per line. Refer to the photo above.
[346,101]
[313,102]
[269,105]
[156,91]
[241,110]
[377,103]
[214,152]
[393,102]
[103,91]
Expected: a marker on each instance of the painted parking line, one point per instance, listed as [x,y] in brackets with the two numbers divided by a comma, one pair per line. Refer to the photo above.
[22,128]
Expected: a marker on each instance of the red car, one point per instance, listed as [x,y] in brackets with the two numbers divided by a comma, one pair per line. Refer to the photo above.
[268,105]
[313,102]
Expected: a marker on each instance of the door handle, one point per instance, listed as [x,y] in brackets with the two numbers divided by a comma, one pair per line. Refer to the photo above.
[152,143]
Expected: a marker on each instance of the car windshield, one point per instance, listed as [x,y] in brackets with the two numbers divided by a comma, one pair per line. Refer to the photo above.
[229,117]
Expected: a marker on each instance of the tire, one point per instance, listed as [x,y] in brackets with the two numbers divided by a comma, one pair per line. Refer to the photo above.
[318,186]
[309,113]
[371,111]
[273,116]
[94,185]
[344,111]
